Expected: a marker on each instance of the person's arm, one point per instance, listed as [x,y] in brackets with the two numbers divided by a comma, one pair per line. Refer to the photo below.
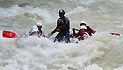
[67,23]
[74,34]
[56,29]
[30,32]
[92,30]
[77,34]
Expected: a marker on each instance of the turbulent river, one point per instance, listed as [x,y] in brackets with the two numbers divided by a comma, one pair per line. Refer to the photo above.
[102,51]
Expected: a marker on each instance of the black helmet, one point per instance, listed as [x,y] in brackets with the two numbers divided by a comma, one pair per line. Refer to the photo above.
[61,11]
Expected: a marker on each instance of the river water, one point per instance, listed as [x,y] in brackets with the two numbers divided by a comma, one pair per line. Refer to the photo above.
[102,51]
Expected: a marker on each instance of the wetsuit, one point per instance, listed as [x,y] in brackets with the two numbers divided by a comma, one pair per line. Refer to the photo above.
[64,25]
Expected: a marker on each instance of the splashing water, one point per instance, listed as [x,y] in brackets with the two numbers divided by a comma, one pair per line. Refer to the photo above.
[100,52]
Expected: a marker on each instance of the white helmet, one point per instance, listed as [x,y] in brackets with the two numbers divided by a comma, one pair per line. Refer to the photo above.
[38,24]
[83,27]
[83,22]
[34,28]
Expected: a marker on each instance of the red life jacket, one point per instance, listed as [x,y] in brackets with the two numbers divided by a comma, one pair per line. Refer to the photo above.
[33,34]
[41,34]
[81,34]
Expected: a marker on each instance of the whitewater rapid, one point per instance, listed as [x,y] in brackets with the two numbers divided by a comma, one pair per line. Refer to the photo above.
[102,51]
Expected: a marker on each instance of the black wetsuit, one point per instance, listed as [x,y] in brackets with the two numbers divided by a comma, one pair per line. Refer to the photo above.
[64,25]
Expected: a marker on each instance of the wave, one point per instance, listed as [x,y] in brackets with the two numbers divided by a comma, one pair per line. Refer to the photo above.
[102,51]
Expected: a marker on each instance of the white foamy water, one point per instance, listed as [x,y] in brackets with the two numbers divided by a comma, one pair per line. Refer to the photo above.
[102,51]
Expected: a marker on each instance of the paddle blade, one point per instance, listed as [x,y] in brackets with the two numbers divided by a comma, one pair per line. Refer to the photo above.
[9,34]
[115,34]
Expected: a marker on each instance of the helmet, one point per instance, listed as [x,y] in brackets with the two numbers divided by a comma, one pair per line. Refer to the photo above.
[83,27]
[34,28]
[38,24]
[61,11]
[83,23]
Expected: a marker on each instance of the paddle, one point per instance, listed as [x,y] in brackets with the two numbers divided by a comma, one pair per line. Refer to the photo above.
[9,34]
[115,34]
[74,34]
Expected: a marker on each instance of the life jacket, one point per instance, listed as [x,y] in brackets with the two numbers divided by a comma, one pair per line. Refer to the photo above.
[63,23]
[33,33]
[83,31]
[40,33]
[81,34]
